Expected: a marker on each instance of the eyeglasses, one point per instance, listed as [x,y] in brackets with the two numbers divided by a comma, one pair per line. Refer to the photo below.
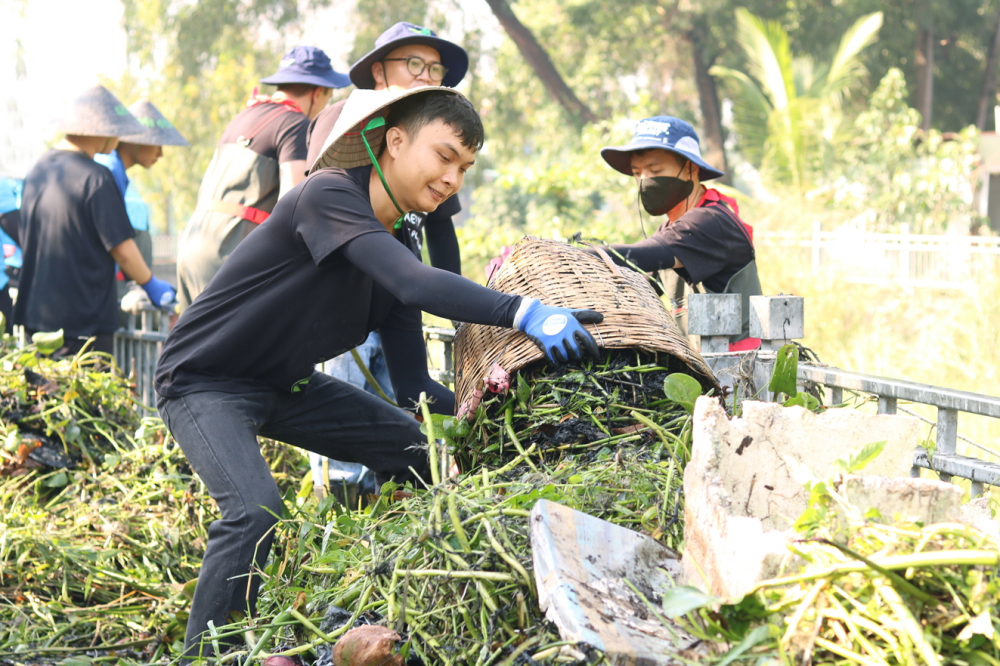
[416,66]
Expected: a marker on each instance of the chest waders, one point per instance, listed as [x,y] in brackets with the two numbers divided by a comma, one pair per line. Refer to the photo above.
[745,282]
[238,192]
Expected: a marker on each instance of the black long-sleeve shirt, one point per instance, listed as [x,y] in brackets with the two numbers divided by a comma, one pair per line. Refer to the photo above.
[310,284]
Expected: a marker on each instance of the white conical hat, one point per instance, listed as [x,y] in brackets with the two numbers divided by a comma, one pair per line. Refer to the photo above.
[158,130]
[344,147]
[96,112]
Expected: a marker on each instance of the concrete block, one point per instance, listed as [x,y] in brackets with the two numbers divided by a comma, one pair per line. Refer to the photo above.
[777,317]
[740,490]
[714,314]
[904,499]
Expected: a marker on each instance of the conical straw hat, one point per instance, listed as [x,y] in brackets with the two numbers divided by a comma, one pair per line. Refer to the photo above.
[344,147]
[97,112]
[159,130]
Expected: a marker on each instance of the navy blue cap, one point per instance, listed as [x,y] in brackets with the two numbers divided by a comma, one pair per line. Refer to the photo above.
[308,65]
[453,56]
[665,133]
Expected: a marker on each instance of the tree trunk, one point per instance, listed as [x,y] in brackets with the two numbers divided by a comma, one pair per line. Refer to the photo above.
[989,88]
[711,112]
[539,60]
[925,73]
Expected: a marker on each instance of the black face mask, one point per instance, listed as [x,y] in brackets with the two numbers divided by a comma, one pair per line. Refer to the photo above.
[660,194]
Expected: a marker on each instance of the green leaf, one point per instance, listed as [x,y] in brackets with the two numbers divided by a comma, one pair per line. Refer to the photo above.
[786,371]
[188,589]
[805,400]
[682,389]
[756,636]
[12,441]
[57,480]
[861,458]
[523,390]
[47,343]
[683,599]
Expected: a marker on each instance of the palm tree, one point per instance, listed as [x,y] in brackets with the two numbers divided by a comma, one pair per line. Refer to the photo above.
[787,108]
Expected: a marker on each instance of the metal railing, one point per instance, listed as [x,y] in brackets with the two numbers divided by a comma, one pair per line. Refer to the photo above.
[138,345]
[949,403]
[137,349]
[938,261]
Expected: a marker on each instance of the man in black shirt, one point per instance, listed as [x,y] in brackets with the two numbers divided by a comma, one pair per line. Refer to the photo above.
[405,56]
[335,261]
[703,239]
[74,228]
[260,157]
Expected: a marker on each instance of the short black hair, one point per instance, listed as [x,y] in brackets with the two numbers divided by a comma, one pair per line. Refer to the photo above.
[297,89]
[413,112]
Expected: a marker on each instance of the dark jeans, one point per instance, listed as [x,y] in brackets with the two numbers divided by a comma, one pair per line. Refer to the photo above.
[218,434]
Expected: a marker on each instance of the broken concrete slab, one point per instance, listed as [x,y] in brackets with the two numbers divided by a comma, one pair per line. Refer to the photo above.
[748,454]
[904,499]
[581,565]
[741,494]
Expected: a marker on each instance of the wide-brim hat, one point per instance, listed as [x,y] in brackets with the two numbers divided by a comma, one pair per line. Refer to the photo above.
[453,56]
[310,66]
[343,147]
[159,130]
[97,112]
[666,133]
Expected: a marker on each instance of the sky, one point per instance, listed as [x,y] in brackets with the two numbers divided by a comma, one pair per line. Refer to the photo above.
[61,47]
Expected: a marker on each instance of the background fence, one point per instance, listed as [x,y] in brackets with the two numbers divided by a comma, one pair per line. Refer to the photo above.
[905,259]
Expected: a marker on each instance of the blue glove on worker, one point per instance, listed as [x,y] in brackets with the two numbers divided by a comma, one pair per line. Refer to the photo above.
[159,292]
[557,331]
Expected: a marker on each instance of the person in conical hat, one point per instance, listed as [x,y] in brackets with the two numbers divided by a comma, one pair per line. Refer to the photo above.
[404,56]
[74,229]
[144,149]
[260,157]
[703,240]
[336,260]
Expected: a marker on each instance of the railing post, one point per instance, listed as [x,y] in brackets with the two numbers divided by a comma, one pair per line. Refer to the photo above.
[834,396]
[715,317]
[886,405]
[947,435]
[776,320]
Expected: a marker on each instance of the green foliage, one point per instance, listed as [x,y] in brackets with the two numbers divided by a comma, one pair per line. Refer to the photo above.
[861,458]
[682,389]
[197,62]
[47,342]
[788,107]
[785,375]
[890,173]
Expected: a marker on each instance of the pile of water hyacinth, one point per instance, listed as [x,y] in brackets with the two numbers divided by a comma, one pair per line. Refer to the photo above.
[104,525]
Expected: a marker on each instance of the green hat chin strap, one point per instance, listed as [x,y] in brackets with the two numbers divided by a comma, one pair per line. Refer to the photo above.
[375,123]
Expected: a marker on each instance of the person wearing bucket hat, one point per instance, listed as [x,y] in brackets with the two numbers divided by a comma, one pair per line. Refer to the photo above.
[260,157]
[703,240]
[144,149]
[74,229]
[405,56]
[336,260]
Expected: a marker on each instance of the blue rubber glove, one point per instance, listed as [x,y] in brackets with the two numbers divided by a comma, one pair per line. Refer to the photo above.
[159,292]
[557,331]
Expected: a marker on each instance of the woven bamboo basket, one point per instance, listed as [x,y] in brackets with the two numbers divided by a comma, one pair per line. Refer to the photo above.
[564,276]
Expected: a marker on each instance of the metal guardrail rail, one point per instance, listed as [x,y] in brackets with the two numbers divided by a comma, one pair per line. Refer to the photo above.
[949,403]
[138,345]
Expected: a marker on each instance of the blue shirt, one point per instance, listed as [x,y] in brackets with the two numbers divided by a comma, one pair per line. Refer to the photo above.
[138,211]
[10,194]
